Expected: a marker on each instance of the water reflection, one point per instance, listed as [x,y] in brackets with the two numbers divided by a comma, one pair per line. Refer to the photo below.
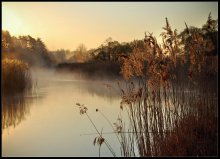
[104,89]
[14,110]
[54,120]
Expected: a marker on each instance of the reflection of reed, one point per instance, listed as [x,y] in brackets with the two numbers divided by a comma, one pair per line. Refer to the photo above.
[14,110]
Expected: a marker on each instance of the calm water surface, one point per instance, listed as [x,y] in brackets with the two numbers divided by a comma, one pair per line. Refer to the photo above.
[48,123]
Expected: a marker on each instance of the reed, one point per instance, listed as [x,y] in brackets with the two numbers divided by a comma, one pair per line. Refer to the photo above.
[169,97]
[16,77]
[171,112]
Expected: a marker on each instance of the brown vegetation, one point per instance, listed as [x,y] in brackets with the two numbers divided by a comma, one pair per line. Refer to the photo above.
[16,77]
[170,95]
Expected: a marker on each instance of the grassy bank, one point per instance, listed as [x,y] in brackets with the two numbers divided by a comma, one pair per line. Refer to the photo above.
[16,77]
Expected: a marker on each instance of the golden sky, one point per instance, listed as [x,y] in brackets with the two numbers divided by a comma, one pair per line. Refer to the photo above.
[68,24]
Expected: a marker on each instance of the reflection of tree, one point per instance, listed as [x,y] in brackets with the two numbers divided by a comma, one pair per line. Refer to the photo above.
[14,110]
[101,89]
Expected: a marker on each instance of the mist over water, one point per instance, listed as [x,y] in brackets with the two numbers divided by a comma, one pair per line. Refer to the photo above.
[159,101]
[51,125]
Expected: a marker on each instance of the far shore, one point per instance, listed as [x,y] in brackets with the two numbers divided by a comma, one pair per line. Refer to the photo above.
[94,70]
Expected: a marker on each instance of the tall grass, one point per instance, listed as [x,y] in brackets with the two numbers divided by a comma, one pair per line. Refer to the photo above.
[179,121]
[169,113]
[170,98]
[16,77]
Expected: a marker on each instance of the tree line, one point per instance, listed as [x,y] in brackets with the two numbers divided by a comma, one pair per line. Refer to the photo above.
[35,53]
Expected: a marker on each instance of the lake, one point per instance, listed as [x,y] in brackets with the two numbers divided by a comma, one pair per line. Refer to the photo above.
[47,122]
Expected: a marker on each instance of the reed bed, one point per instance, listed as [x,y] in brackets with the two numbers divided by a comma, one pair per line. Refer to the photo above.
[169,98]
[16,77]
[179,121]
[171,103]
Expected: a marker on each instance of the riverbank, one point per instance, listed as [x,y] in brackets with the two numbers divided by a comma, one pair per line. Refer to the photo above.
[92,70]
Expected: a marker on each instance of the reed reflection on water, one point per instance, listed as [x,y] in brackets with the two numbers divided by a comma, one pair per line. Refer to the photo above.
[61,132]
[51,126]
[14,110]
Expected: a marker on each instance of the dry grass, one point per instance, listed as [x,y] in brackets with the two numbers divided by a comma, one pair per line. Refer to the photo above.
[171,103]
[16,77]
[170,98]
[191,138]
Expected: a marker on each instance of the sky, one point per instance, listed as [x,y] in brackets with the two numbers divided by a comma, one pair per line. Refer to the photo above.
[68,24]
